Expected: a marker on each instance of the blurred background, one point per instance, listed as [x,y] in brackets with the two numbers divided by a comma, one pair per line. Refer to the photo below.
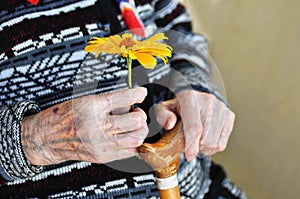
[256,46]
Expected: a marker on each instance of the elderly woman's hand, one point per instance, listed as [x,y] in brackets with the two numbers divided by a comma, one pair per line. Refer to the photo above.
[207,122]
[95,128]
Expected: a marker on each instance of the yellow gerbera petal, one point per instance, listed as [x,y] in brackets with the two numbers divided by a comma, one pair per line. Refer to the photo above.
[96,40]
[163,58]
[115,39]
[152,46]
[93,43]
[146,60]
[157,37]
[126,36]
[132,55]
[164,52]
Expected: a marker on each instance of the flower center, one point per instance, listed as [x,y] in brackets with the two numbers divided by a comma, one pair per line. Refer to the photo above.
[127,42]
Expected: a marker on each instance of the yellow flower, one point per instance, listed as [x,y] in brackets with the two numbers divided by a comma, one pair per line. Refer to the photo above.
[143,51]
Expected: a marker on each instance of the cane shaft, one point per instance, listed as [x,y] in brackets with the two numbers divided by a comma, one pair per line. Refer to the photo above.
[172,193]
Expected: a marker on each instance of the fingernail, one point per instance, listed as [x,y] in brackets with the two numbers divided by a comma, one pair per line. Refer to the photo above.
[142,90]
[168,125]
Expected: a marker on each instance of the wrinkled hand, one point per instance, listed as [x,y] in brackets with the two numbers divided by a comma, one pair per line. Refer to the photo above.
[95,128]
[207,122]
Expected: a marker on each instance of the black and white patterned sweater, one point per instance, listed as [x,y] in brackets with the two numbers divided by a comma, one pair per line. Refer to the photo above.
[42,63]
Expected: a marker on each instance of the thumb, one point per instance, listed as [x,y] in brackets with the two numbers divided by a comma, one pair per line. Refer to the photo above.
[165,117]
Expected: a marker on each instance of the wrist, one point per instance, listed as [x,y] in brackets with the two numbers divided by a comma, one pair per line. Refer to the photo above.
[45,135]
[13,160]
[29,145]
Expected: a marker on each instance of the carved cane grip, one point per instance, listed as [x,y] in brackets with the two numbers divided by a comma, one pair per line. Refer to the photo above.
[164,156]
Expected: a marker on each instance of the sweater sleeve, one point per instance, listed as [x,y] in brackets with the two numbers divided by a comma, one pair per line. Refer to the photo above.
[190,62]
[13,163]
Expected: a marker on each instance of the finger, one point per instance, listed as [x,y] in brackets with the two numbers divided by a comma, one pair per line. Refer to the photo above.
[226,132]
[120,111]
[207,151]
[125,97]
[127,122]
[104,152]
[192,125]
[165,117]
[214,120]
[132,139]
[112,155]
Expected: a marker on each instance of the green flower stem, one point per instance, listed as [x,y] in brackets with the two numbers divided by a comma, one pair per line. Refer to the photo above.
[129,64]
[129,79]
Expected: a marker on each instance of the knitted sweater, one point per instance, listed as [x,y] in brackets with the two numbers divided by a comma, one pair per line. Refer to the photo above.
[42,63]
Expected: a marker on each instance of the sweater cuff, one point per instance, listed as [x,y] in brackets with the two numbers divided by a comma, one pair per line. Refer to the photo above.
[13,163]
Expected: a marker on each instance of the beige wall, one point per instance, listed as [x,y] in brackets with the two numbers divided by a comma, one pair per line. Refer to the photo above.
[256,45]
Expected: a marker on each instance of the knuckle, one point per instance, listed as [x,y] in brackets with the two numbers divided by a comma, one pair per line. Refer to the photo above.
[192,153]
[194,137]
[144,131]
[107,125]
[138,120]
[208,144]
[207,96]
[189,95]
[232,116]
[202,144]
[143,116]
[208,123]
[135,142]
[221,147]
[203,141]
[108,99]
[113,142]
[194,129]
[138,142]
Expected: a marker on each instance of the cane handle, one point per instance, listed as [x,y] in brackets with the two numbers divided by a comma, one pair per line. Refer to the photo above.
[163,156]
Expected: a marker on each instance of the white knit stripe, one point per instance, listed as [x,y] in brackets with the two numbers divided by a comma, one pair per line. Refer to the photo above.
[141,181]
[234,189]
[168,9]
[145,11]
[158,69]
[64,35]
[159,73]
[22,9]
[55,172]
[57,11]
[30,45]
[180,19]
[3,57]
[111,188]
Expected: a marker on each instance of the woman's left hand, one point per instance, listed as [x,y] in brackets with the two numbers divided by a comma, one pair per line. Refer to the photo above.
[207,122]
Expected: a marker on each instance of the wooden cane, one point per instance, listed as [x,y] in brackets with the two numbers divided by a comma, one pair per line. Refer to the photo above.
[163,156]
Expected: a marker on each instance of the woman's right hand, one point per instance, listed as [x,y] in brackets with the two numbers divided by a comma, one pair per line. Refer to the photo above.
[95,128]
